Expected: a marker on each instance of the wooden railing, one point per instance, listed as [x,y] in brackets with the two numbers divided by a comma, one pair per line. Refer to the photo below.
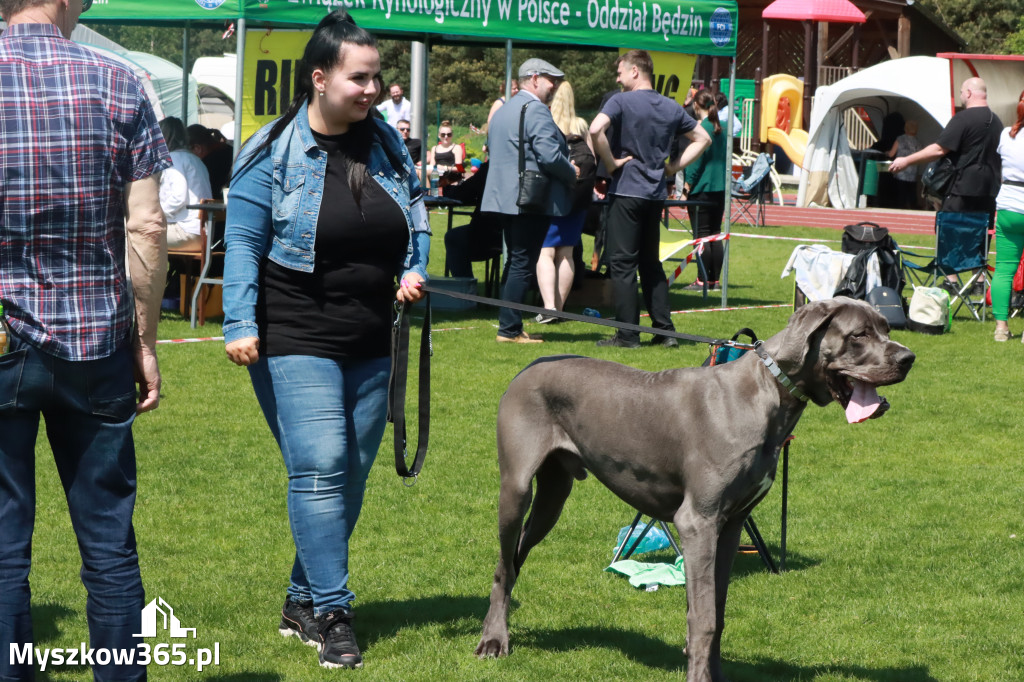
[858,133]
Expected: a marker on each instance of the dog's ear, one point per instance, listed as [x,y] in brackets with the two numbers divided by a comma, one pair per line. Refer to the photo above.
[804,331]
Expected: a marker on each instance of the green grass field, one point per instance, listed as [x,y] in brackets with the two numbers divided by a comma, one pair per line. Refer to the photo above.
[906,539]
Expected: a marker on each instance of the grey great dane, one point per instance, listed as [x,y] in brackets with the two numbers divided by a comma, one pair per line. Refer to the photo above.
[697,447]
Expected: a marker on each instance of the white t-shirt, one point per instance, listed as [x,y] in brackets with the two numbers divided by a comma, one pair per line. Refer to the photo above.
[393,114]
[1011,150]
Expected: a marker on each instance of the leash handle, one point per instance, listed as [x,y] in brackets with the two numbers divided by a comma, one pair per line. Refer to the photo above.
[397,390]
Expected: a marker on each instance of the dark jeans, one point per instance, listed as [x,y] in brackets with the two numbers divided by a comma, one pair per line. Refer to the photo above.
[707,221]
[88,408]
[634,235]
[477,241]
[524,235]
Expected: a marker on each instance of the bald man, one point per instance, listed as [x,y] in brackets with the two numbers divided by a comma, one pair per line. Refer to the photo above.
[970,141]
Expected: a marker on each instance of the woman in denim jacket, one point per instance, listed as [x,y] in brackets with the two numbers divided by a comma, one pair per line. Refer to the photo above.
[325,213]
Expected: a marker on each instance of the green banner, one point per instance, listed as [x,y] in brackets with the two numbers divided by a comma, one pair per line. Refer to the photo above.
[163,11]
[698,27]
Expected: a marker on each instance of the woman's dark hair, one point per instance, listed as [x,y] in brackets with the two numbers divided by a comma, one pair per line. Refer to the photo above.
[705,99]
[1020,117]
[174,132]
[324,51]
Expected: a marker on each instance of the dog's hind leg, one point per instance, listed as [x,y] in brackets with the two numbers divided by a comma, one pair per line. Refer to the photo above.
[554,484]
[513,502]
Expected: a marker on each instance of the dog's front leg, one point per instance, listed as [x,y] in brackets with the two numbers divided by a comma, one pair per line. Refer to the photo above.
[699,536]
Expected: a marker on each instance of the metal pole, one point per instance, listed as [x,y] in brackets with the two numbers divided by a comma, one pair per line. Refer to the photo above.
[239,72]
[418,92]
[508,70]
[728,181]
[184,75]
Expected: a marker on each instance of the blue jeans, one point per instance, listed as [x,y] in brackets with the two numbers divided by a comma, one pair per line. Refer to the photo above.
[328,418]
[88,408]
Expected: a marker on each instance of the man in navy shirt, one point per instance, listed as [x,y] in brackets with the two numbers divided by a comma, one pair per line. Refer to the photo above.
[632,136]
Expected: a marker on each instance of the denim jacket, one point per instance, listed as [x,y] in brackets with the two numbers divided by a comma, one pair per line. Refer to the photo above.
[284,229]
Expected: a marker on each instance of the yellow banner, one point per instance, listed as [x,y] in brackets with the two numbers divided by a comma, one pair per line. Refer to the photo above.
[271,73]
[673,73]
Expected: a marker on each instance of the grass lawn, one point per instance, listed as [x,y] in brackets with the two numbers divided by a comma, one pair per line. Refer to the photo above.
[906,539]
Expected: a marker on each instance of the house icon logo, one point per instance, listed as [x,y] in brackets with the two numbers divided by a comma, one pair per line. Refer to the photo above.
[159,614]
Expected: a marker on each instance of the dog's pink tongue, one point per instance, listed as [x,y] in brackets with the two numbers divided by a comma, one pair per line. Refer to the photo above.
[863,402]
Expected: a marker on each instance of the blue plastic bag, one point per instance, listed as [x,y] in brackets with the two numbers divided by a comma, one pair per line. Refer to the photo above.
[654,540]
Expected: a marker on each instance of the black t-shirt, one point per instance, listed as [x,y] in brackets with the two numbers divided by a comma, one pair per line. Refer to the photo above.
[415,148]
[972,138]
[343,308]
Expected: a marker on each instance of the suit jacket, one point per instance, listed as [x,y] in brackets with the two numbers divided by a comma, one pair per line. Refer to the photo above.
[546,151]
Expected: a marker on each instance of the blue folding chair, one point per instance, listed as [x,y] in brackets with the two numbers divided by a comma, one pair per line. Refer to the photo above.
[961,252]
[750,192]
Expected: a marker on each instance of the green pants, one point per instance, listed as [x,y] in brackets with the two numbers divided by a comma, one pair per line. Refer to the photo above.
[1009,246]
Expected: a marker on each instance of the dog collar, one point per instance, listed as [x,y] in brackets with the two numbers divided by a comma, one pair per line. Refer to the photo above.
[777,372]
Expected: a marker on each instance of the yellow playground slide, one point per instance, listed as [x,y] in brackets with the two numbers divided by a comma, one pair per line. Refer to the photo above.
[782,106]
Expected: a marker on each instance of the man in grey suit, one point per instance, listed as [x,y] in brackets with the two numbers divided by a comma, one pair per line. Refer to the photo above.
[546,151]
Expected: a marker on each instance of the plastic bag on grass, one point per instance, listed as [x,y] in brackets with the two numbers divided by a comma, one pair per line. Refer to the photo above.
[654,540]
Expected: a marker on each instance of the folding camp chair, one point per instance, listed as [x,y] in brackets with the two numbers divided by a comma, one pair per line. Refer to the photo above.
[750,192]
[961,251]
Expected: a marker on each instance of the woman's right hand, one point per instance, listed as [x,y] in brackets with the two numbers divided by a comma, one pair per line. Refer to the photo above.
[244,352]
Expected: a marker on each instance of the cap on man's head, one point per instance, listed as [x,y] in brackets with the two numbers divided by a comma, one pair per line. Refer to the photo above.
[539,67]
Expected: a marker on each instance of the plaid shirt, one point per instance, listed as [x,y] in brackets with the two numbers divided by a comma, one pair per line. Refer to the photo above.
[74,128]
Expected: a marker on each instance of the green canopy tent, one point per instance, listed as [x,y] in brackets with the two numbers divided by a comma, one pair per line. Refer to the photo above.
[700,27]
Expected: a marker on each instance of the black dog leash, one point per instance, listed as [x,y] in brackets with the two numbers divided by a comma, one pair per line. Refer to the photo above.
[396,390]
[547,312]
[400,365]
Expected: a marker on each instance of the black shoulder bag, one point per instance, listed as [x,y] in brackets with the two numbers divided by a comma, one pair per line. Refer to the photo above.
[533,185]
[940,175]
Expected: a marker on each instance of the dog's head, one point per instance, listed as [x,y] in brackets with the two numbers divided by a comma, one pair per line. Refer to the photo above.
[839,349]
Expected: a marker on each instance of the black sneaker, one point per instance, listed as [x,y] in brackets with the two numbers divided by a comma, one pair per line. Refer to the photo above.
[617,342]
[297,620]
[666,341]
[338,648]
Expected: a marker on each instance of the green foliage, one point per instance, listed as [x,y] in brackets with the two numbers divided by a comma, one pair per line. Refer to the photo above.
[1014,43]
[905,533]
[465,80]
[984,24]
[167,42]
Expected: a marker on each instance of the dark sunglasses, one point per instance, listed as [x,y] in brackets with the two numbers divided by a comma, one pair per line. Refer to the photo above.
[444,134]
[86,4]
[403,130]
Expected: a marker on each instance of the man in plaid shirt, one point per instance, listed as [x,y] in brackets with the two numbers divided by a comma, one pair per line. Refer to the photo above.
[80,152]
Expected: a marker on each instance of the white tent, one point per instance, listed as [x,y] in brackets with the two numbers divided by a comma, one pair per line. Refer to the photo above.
[916,87]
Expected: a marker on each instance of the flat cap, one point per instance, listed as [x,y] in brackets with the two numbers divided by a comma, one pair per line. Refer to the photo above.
[540,67]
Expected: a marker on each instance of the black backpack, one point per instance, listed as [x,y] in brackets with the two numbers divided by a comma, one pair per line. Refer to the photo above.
[861,236]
